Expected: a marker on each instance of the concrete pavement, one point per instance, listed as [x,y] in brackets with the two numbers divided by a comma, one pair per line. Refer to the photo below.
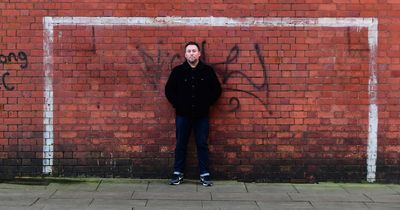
[156,194]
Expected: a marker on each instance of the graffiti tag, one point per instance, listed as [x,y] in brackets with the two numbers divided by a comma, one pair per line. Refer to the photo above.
[12,58]
[153,66]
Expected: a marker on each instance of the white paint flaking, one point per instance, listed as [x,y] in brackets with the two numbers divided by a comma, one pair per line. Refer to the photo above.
[48,140]
[216,21]
[358,23]
[372,149]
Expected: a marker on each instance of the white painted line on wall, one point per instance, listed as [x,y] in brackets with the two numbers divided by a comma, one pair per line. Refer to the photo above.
[372,149]
[48,139]
[370,23]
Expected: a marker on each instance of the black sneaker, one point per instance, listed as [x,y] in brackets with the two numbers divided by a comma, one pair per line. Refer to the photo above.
[206,181]
[176,179]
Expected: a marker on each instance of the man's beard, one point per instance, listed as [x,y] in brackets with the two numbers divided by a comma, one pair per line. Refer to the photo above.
[194,61]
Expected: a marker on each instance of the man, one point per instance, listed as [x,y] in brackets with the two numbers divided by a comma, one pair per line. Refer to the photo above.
[192,88]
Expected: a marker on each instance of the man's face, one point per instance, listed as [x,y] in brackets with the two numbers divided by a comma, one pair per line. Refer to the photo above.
[192,54]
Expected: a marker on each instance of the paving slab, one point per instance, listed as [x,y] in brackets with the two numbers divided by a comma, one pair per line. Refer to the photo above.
[89,195]
[165,187]
[248,205]
[251,196]
[316,188]
[340,205]
[89,186]
[116,204]
[17,201]
[394,187]
[67,203]
[122,187]
[21,207]
[22,186]
[62,207]
[172,196]
[173,204]
[383,206]
[385,198]
[222,187]
[26,193]
[329,197]
[284,205]
[171,208]
[368,189]
[116,207]
[157,194]
[270,187]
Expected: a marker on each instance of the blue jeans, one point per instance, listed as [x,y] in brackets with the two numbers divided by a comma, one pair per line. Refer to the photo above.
[184,126]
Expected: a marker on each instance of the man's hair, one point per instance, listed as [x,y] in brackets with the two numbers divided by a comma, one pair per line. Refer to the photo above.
[192,43]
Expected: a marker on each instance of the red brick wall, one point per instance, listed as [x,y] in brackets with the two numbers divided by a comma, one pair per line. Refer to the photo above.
[294,104]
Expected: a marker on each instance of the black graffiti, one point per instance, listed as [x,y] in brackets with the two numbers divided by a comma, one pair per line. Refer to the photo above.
[12,58]
[153,67]
[21,57]
[227,74]
[3,79]
[93,40]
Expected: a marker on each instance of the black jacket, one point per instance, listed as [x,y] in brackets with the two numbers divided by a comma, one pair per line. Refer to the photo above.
[192,90]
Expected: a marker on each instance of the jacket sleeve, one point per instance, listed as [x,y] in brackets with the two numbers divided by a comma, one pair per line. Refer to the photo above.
[171,88]
[215,87]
